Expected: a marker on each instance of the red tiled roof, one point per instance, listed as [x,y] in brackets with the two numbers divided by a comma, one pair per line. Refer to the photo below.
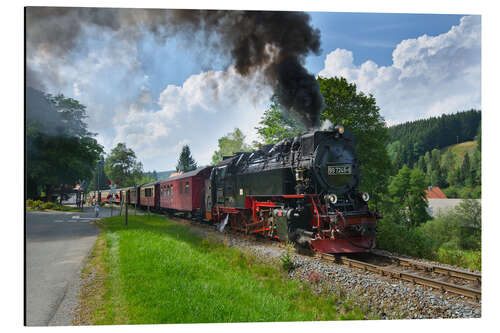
[434,192]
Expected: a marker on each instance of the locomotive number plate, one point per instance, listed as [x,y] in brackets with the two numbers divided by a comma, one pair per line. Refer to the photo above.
[334,170]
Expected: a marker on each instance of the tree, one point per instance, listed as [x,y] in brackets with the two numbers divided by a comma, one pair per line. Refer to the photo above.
[478,137]
[407,196]
[466,171]
[59,148]
[99,178]
[394,152]
[448,162]
[122,165]
[421,163]
[276,124]
[186,162]
[230,144]
[437,177]
[470,213]
[476,167]
[360,114]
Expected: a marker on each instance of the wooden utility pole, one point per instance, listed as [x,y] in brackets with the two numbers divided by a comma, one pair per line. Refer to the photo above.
[126,214]
[121,204]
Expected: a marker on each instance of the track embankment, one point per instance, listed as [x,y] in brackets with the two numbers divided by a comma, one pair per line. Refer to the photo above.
[388,295]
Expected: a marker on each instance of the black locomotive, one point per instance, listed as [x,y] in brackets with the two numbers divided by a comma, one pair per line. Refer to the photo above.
[304,188]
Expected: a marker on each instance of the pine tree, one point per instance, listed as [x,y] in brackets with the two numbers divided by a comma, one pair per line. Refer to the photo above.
[421,163]
[467,170]
[186,162]
[476,167]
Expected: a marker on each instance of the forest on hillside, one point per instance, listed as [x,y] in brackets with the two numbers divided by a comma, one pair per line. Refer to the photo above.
[413,139]
[446,148]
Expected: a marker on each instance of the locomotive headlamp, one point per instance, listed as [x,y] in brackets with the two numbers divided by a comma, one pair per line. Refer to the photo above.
[339,129]
[365,196]
[332,198]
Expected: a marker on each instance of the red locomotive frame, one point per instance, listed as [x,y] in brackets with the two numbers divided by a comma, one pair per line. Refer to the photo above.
[255,219]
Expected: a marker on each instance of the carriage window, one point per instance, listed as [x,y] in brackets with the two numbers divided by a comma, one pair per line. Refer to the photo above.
[187,187]
[148,192]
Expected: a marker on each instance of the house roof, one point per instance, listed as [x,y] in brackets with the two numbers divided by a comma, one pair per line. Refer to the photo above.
[434,192]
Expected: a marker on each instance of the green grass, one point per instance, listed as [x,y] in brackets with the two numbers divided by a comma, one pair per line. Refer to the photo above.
[460,149]
[157,271]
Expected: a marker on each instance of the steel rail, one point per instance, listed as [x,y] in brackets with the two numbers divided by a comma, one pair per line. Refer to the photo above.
[451,272]
[410,277]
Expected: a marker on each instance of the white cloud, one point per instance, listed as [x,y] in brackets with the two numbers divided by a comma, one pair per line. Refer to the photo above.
[108,77]
[207,106]
[429,75]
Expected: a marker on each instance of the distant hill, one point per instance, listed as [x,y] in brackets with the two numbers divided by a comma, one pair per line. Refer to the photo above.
[413,139]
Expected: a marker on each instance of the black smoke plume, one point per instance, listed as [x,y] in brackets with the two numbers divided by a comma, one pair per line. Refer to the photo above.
[275,43]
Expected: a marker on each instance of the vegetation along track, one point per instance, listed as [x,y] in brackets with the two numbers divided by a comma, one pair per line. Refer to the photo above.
[442,278]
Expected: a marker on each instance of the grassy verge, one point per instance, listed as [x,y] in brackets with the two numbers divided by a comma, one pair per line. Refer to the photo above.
[157,271]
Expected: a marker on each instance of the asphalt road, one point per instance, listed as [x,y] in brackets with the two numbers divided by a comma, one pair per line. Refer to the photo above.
[56,245]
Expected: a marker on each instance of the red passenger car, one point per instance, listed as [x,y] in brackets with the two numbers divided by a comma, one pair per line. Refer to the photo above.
[185,192]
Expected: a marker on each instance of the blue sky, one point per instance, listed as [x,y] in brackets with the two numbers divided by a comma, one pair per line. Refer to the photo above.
[372,36]
[153,96]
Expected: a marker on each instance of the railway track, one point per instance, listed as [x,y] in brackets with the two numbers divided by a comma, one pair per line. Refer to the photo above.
[445,279]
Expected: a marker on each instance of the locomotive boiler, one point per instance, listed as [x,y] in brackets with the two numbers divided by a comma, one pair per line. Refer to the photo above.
[304,189]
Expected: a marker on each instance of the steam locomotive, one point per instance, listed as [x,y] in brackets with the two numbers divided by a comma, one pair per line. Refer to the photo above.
[304,189]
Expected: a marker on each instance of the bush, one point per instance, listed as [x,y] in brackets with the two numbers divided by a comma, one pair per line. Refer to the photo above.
[456,257]
[465,193]
[38,204]
[451,192]
[29,203]
[399,238]
[443,229]
[476,193]
[47,205]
